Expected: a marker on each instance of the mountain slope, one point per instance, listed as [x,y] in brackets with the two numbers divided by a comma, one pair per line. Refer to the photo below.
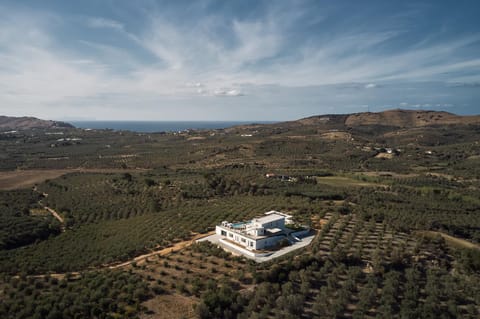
[409,118]
[26,123]
[396,118]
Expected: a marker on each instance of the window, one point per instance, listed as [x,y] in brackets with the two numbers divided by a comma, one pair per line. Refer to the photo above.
[251,244]
[223,233]
[243,240]
[230,235]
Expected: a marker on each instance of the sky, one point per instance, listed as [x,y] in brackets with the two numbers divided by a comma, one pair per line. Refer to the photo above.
[236,60]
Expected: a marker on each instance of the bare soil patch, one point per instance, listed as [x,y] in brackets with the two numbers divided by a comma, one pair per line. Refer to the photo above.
[336,136]
[452,241]
[389,174]
[384,155]
[196,138]
[169,307]
[345,181]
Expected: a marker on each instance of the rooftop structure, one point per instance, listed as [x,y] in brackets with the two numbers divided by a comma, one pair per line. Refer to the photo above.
[256,234]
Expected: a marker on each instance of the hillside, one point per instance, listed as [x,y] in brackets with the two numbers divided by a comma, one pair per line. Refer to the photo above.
[26,123]
[395,118]
[390,120]
[409,118]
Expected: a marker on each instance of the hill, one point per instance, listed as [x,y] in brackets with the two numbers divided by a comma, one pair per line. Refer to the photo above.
[26,123]
[385,121]
[395,118]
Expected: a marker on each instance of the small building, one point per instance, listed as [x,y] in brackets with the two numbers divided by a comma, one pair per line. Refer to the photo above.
[257,234]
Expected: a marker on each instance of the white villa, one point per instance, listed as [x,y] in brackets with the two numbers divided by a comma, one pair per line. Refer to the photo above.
[258,233]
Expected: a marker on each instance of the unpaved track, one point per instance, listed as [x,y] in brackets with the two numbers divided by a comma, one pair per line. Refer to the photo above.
[162,252]
[50,210]
[176,247]
[55,214]
[453,241]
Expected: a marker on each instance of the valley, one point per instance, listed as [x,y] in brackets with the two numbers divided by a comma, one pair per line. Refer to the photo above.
[392,198]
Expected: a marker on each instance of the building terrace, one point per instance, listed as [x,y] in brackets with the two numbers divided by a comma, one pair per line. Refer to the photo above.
[257,234]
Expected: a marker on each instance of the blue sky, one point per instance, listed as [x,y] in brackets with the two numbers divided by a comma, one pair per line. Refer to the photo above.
[236,60]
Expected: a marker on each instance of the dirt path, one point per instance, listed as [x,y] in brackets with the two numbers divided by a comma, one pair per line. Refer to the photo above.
[55,214]
[453,241]
[50,210]
[162,252]
[176,247]
[347,181]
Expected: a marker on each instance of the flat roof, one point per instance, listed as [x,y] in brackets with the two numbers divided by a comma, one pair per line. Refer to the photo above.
[269,218]
[278,213]
[274,230]
[241,233]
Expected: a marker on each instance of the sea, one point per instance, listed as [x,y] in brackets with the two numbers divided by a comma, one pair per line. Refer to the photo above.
[159,126]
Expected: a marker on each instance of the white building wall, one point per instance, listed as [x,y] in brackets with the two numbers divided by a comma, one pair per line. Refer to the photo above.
[247,242]
[238,238]
[267,242]
[279,223]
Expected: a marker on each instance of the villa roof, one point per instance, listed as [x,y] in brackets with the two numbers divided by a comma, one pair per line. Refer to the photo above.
[243,233]
[278,213]
[274,230]
[269,218]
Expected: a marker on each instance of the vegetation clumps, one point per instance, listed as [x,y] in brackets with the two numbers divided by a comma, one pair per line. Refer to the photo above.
[383,249]
[107,294]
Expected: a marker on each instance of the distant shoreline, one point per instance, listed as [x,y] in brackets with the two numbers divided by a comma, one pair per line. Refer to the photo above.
[161,126]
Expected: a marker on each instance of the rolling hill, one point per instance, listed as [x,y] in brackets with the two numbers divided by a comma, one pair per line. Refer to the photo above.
[26,123]
[396,118]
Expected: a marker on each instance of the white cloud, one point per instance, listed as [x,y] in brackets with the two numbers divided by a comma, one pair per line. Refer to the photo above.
[97,22]
[228,92]
[194,84]
[425,105]
[37,69]
[256,41]
[35,72]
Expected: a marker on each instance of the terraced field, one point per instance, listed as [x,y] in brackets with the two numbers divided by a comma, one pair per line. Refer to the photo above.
[106,242]
[365,270]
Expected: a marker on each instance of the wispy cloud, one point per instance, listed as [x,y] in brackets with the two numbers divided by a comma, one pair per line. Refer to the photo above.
[262,55]
[97,22]
[227,92]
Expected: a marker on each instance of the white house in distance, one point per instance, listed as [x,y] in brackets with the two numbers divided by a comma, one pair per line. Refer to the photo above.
[257,234]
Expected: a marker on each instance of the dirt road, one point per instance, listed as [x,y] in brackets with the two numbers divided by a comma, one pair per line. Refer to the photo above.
[176,247]
[50,210]
[162,252]
[452,241]
[55,214]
